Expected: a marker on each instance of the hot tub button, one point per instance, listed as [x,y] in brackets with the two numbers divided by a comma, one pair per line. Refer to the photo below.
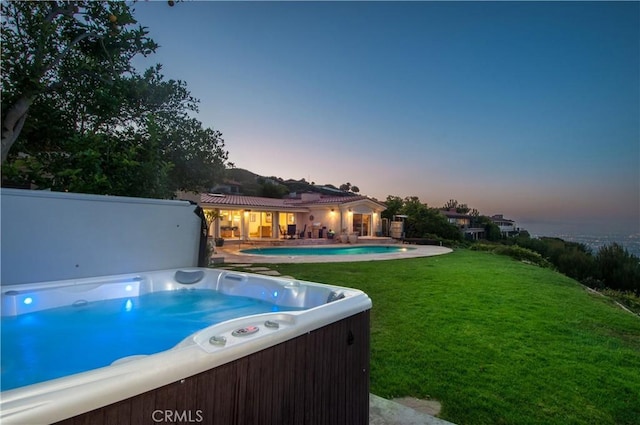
[271,324]
[249,330]
[218,340]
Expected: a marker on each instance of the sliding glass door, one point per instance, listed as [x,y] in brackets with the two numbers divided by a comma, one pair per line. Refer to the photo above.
[362,224]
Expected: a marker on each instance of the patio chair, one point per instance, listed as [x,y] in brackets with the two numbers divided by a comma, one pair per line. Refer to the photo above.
[283,232]
[291,230]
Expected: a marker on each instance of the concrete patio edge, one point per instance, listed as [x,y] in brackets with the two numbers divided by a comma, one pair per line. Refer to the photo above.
[387,412]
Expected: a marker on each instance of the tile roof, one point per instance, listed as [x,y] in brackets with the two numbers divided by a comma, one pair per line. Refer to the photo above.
[244,201]
[332,200]
[287,203]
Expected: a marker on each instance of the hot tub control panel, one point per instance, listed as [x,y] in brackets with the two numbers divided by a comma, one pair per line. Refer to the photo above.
[227,335]
[249,330]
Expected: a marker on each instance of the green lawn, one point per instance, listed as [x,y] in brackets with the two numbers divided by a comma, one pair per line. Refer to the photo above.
[494,340]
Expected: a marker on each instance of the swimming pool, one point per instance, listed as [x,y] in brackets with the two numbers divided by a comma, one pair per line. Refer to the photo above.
[333,250]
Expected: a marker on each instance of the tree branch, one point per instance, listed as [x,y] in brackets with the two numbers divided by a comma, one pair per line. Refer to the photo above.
[56,11]
[57,84]
[63,53]
[12,124]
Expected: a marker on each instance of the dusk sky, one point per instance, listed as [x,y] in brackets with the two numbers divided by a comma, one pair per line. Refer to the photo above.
[527,109]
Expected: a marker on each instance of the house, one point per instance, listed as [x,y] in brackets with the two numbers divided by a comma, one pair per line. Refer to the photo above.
[228,187]
[507,227]
[457,219]
[470,229]
[309,215]
[465,223]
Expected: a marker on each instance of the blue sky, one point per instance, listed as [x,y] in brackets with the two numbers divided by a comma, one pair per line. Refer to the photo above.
[529,109]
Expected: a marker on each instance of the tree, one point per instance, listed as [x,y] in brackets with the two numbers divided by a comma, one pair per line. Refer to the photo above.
[46,45]
[394,205]
[491,230]
[348,187]
[417,221]
[453,204]
[439,225]
[618,269]
[423,221]
[95,125]
[269,188]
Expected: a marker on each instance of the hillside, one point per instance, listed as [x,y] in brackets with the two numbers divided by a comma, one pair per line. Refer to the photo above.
[252,184]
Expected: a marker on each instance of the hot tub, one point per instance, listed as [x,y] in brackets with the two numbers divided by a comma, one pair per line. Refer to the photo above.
[303,359]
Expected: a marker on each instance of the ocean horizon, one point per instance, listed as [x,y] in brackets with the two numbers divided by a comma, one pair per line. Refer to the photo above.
[630,241]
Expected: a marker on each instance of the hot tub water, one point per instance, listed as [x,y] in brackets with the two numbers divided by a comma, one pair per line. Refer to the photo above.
[57,342]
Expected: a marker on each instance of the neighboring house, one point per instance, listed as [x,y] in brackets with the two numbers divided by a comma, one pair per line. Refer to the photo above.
[468,228]
[465,223]
[456,218]
[507,227]
[228,187]
[310,214]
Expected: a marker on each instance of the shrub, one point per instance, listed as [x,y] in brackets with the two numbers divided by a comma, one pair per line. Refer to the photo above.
[612,267]
[522,254]
[514,251]
[534,244]
[575,263]
[593,283]
[433,239]
[628,299]
[483,247]
[618,269]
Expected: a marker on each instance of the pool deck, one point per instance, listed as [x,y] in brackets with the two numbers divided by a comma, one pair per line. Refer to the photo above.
[231,254]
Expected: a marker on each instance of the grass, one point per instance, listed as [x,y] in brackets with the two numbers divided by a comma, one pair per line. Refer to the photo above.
[496,341]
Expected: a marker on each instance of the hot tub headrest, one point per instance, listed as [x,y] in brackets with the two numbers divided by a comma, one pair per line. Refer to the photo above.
[189,278]
[335,296]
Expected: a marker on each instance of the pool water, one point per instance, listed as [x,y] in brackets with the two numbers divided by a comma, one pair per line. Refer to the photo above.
[342,250]
[49,344]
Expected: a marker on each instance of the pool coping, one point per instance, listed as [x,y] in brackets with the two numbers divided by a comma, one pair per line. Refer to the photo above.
[232,254]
